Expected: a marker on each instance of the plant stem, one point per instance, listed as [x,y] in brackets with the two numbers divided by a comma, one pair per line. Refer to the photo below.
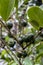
[10,32]
[14,56]
[27,46]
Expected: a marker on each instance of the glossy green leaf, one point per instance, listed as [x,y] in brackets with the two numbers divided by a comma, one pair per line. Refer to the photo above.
[6,7]
[36,16]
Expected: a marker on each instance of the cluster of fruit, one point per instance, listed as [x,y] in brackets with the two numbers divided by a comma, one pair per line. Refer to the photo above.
[26,38]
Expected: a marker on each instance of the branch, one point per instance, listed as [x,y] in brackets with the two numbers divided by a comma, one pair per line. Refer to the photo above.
[27,46]
[11,52]
[38,33]
[9,31]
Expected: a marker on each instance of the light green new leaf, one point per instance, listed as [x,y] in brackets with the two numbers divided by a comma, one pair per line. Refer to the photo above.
[36,16]
[6,7]
[27,61]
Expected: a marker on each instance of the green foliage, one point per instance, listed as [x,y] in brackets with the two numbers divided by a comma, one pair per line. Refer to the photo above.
[12,63]
[6,7]
[4,56]
[27,61]
[36,16]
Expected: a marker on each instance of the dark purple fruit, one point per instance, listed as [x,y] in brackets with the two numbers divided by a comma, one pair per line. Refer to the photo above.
[19,55]
[24,23]
[39,2]
[11,44]
[24,54]
[9,25]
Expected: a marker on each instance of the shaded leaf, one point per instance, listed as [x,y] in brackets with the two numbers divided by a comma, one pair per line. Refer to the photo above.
[27,61]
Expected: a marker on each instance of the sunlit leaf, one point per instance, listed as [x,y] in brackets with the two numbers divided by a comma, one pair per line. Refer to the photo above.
[6,7]
[36,16]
